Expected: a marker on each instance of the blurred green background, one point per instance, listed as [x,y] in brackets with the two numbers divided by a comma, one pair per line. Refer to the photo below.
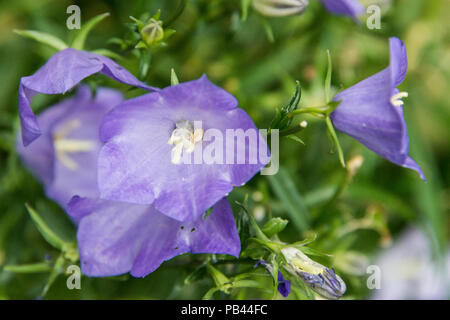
[382,200]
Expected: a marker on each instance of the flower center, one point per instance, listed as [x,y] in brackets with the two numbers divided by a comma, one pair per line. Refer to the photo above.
[396,99]
[184,136]
[64,147]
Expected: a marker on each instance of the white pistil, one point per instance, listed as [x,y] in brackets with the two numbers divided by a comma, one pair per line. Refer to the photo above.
[184,136]
[64,147]
[396,99]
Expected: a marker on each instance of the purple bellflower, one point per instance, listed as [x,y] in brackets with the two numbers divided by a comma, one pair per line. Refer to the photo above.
[113,237]
[60,74]
[64,158]
[118,237]
[146,137]
[351,8]
[284,286]
[372,111]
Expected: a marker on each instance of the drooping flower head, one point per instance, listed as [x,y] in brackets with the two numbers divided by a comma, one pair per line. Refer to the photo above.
[64,158]
[351,8]
[61,73]
[182,149]
[372,111]
[117,237]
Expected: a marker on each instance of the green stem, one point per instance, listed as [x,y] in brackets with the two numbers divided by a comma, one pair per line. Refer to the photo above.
[292,130]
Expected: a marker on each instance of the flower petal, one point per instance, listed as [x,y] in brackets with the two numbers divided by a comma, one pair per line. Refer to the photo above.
[61,73]
[399,60]
[117,237]
[135,163]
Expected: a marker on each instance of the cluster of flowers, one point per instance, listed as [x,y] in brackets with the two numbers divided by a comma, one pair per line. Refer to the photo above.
[109,162]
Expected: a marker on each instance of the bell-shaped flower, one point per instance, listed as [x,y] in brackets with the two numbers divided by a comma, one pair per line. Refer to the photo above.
[61,73]
[351,8]
[372,111]
[64,158]
[117,237]
[181,149]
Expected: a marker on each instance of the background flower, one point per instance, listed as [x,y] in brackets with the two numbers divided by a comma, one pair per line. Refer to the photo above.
[64,158]
[352,8]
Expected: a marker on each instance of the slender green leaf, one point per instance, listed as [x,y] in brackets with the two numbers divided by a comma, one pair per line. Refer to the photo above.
[29,268]
[328,79]
[295,138]
[80,38]
[48,234]
[44,38]
[335,140]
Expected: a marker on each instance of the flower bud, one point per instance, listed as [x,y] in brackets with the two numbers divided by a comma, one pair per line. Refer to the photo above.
[152,32]
[321,279]
[280,8]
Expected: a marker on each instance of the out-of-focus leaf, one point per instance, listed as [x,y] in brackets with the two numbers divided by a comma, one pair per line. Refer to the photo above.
[29,268]
[293,202]
[44,38]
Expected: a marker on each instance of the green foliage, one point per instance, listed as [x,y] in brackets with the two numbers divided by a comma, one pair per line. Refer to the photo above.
[312,203]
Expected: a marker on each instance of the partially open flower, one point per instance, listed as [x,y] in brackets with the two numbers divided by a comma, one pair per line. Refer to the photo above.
[280,8]
[321,279]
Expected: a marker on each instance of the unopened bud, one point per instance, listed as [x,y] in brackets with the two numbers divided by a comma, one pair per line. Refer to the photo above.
[280,8]
[152,32]
[319,278]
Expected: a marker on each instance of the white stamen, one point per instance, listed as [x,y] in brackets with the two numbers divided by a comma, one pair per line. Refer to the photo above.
[64,147]
[184,136]
[396,99]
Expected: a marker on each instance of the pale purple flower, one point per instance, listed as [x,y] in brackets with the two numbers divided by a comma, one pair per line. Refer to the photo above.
[146,136]
[352,8]
[64,158]
[60,74]
[410,269]
[372,111]
[117,237]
